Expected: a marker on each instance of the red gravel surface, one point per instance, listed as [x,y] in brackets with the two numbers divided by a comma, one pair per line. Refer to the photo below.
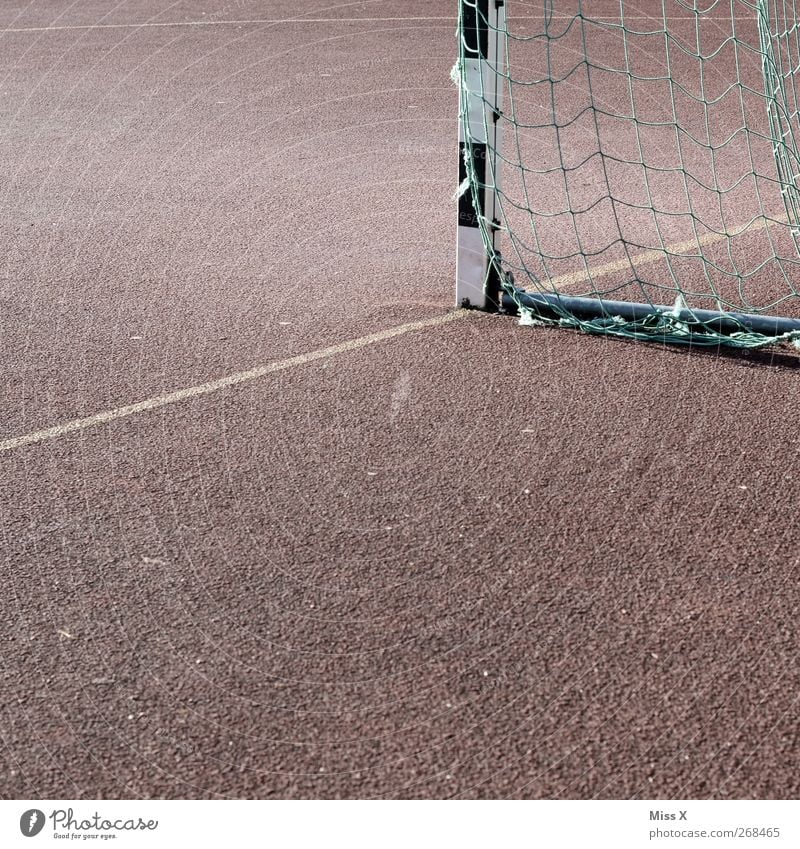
[473,560]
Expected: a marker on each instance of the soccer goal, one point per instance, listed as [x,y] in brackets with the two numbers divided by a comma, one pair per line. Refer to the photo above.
[632,168]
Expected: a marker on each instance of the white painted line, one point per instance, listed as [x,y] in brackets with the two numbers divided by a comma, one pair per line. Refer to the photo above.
[446,20]
[648,257]
[225,382]
[231,22]
[334,350]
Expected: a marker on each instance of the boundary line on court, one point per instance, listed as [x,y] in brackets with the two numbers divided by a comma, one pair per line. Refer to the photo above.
[445,19]
[648,257]
[224,382]
[212,386]
[222,23]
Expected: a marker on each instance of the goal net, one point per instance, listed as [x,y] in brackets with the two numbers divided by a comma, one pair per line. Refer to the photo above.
[632,168]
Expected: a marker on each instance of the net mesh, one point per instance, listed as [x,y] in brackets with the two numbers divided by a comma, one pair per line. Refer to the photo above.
[649,155]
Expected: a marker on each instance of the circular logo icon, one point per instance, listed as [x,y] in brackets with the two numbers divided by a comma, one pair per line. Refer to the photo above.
[31,822]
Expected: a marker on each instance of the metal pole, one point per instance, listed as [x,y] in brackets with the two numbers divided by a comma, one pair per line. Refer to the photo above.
[479,139]
[586,309]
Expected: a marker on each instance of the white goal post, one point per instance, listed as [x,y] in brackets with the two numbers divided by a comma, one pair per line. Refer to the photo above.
[663,146]
[482,25]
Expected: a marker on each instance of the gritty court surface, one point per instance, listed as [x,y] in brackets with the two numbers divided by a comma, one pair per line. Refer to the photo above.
[276,521]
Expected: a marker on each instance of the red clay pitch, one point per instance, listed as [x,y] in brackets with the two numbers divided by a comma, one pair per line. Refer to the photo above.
[475,560]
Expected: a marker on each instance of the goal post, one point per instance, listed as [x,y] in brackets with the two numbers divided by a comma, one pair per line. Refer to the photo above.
[480,76]
[632,173]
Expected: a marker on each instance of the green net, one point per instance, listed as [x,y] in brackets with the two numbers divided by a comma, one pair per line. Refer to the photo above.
[649,156]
